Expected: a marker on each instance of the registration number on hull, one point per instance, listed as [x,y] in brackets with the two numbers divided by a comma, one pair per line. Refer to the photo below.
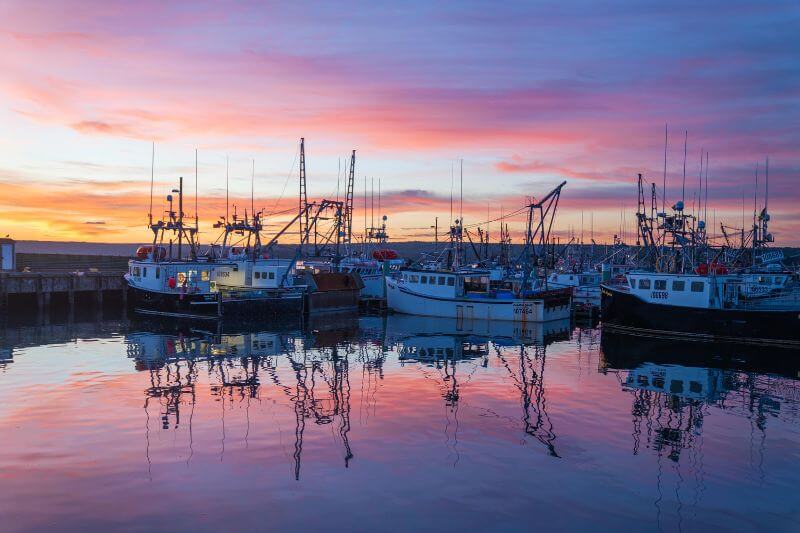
[523,310]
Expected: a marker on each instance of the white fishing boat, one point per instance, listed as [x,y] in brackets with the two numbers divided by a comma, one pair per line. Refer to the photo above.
[467,295]
[161,277]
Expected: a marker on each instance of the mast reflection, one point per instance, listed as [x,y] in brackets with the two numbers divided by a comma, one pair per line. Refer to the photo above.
[446,344]
[311,368]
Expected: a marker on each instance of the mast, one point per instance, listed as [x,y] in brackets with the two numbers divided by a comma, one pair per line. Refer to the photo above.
[180,216]
[348,209]
[303,194]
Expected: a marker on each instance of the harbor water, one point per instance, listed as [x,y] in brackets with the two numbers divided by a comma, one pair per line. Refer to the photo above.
[394,424]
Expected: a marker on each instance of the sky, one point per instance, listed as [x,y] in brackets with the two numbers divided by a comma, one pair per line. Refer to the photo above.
[526,94]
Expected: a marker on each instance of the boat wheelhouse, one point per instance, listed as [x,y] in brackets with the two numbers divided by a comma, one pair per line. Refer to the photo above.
[586,285]
[468,295]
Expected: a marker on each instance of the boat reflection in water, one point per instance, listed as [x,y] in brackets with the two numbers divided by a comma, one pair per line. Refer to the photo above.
[672,388]
[309,367]
[473,425]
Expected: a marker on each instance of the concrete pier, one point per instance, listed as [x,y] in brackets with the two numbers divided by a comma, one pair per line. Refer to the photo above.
[29,291]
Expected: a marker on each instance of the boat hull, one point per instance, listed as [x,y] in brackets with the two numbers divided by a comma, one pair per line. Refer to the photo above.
[289,304]
[172,302]
[624,312]
[554,307]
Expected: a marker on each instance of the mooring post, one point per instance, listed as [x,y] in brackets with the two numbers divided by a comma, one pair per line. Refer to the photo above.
[39,298]
[3,294]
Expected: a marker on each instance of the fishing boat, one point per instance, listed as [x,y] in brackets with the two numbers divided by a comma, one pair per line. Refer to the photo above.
[693,291]
[706,307]
[161,277]
[466,295]
[246,275]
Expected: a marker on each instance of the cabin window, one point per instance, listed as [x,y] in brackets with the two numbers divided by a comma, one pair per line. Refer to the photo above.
[632,281]
[661,285]
[414,278]
[678,285]
[451,282]
[644,283]
[257,274]
[424,279]
[158,272]
[203,275]
[441,280]
[136,271]
[144,271]
[642,381]
[697,286]
[658,382]
[676,386]
[236,268]
[695,387]
[272,275]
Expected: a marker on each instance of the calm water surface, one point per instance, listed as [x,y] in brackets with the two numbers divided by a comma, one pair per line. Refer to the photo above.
[394,423]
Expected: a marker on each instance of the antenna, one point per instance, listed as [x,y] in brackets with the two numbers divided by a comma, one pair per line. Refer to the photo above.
[755,197]
[152,174]
[766,193]
[252,190]
[227,194]
[196,216]
[451,192]
[683,187]
[365,207]
[705,211]
[664,185]
[700,193]
[461,203]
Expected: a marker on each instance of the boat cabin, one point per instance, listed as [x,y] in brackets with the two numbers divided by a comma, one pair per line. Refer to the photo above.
[167,277]
[255,274]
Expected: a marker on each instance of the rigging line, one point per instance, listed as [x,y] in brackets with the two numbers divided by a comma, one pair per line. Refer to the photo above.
[502,217]
[285,183]
[152,174]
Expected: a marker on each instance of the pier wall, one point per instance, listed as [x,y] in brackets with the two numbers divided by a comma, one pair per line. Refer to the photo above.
[38,291]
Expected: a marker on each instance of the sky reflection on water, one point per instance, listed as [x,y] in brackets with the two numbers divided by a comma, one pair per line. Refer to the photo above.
[395,423]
